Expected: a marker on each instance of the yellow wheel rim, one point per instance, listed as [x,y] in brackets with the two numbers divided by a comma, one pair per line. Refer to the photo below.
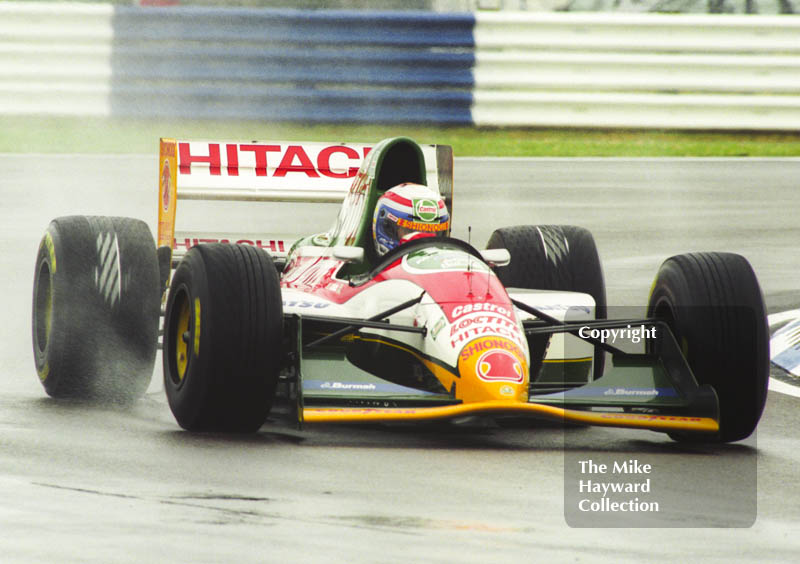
[45,306]
[44,314]
[181,347]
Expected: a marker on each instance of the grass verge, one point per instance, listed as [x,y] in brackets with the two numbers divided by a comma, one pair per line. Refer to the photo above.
[101,135]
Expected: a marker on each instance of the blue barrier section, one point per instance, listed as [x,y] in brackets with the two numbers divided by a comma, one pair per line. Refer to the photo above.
[292,65]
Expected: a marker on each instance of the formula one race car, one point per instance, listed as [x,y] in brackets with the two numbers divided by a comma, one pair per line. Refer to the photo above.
[345,330]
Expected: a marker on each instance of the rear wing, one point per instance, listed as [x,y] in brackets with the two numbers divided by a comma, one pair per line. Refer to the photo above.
[289,172]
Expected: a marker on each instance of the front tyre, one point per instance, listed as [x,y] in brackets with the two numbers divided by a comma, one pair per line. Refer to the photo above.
[714,306]
[223,331]
[552,257]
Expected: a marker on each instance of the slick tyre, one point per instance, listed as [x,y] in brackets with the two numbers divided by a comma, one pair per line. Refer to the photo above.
[223,332]
[96,304]
[553,257]
[714,306]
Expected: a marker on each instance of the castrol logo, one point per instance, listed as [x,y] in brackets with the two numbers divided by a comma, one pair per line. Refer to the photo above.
[426,210]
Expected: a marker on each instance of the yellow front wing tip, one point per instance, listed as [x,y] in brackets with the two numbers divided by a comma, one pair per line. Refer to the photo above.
[665,423]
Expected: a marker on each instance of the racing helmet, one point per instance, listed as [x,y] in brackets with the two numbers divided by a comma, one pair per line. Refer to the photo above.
[406,212]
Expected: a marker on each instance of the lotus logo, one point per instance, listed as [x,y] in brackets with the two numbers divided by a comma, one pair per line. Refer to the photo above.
[426,210]
[499,365]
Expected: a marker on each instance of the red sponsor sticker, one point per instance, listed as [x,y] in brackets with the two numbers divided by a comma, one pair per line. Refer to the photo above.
[271,245]
[499,365]
[165,178]
[274,160]
[481,307]
[479,346]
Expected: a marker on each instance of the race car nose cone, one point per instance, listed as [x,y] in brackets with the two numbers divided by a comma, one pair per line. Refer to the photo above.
[492,368]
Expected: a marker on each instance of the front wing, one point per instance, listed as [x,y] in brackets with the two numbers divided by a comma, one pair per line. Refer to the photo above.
[666,423]
[654,390]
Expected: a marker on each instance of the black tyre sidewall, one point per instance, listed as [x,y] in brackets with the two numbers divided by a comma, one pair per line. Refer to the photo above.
[230,385]
[96,351]
[188,396]
[714,306]
[56,356]
[569,261]
[577,268]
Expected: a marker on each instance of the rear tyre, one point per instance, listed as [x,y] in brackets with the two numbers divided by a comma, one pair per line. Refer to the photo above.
[553,257]
[714,306]
[96,304]
[223,331]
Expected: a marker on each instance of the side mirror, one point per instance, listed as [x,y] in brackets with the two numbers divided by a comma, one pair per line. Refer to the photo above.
[349,254]
[496,257]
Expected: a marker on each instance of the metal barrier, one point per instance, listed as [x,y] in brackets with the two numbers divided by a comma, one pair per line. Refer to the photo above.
[637,70]
[489,68]
[195,62]
[55,59]
[318,66]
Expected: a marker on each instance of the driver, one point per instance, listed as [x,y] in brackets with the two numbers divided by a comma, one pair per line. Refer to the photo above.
[407,212]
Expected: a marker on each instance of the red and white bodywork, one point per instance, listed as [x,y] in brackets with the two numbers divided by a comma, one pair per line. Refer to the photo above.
[469,343]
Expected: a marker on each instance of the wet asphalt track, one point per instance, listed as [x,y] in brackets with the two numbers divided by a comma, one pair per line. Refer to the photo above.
[82,483]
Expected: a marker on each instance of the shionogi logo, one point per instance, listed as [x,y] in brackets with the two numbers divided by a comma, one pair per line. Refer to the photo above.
[425,209]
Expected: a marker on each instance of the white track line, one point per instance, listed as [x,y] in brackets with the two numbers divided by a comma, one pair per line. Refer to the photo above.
[778,385]
[783,388]
[776,318]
